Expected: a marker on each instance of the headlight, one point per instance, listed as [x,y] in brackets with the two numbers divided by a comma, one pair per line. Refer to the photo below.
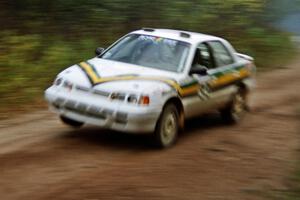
[57,81]
[131,98]
[117,96]
[142,100]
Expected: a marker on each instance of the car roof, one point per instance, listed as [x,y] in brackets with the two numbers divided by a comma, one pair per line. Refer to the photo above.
[181,35]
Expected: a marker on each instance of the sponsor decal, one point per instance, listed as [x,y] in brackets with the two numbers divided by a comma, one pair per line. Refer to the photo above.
[204,93]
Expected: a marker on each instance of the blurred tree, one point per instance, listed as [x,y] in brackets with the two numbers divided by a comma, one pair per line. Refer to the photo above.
[67,16]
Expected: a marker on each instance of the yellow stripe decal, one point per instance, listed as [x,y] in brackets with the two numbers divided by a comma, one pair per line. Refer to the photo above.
[190,90]
[90,72]
[95,79]
[228,78]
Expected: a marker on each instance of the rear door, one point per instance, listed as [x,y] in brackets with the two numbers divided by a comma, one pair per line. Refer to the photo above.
[226,74]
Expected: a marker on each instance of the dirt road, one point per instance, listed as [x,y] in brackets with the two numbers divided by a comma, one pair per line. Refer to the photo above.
[42,159]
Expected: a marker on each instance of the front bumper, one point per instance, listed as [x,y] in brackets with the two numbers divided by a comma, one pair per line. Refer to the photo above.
[100,111]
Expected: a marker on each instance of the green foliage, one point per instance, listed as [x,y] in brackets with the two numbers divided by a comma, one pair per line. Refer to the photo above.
[29,63]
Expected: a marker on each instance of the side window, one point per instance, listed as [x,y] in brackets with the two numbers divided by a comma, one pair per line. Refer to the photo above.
[221,55]
[203,56]
[206,58]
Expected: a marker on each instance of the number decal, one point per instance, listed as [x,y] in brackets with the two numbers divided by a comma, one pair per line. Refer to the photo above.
[204,92]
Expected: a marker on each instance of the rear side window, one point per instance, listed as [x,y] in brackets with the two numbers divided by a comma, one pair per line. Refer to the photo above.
[221,54]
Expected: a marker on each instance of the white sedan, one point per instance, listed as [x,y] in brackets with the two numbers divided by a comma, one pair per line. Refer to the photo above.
[151,81]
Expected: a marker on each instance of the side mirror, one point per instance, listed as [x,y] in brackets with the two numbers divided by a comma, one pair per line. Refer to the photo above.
[201,70]
[99,51]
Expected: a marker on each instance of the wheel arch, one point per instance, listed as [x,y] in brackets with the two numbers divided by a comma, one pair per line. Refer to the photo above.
[243,86]
[247,84]
[245,89]
[177,102]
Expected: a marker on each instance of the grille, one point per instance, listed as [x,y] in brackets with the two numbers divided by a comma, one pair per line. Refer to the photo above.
[94,91]
[101,93]
[92,111]
[83,109]
[83,89]
[95,111]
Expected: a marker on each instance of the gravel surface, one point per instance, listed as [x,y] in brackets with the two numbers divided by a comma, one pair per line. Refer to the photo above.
[40,158]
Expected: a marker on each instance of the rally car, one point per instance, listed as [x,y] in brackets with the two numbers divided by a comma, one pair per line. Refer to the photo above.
[151,81]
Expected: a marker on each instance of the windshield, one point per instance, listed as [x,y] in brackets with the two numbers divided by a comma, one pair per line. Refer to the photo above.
[150,51]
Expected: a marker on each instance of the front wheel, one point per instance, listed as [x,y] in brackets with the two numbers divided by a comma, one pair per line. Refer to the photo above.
[166,130]
[71,122]
[237,108]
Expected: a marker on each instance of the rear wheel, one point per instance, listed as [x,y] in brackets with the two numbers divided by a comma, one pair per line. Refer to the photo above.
[237,108]
[71,122]
[166,130]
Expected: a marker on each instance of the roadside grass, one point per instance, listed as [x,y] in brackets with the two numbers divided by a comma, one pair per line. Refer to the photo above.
[29,64]
[294,193]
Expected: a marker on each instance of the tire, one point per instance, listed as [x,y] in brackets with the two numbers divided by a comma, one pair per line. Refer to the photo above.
[236,109]
[71,122]
[166,131]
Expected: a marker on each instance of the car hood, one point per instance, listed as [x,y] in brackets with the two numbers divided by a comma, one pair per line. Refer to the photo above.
[119,76]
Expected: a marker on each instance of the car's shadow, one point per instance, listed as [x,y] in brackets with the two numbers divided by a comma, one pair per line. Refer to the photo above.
[93,135]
